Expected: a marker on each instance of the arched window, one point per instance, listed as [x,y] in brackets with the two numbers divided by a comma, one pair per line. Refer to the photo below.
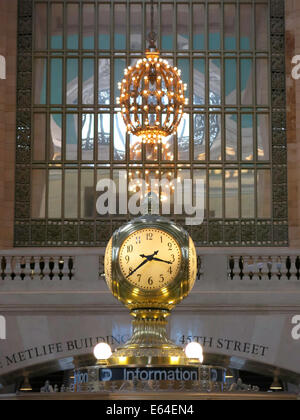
[70,135]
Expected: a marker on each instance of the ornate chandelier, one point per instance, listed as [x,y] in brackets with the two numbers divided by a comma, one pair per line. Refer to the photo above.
[152,95]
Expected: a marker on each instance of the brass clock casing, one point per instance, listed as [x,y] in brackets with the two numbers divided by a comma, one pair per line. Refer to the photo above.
[149,344]
[167,297]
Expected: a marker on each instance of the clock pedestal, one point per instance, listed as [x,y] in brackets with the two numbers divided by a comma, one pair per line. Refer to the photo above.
[149,344]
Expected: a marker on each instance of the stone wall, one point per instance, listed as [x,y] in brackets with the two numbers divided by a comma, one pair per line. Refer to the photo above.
[8,47]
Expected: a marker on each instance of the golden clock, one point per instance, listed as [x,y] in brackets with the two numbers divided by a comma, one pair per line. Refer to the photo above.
[150,263]
[150,266]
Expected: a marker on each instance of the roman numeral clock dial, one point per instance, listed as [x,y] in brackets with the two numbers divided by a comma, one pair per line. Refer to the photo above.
[150,259]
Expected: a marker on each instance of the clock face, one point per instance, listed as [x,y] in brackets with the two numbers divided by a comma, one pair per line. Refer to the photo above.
[150,259]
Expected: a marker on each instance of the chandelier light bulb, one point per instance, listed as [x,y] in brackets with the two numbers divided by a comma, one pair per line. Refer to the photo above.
[102,351]
[194,351]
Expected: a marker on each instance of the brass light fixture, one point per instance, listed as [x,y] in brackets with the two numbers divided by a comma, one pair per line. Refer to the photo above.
[152,95]
[26,386]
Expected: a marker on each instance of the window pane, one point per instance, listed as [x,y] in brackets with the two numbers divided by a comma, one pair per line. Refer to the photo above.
[263,137]
[55,194]
[264,188]
[72,26]
[183,27]
[247,137]
[88,26]
[56,81]
[184,138]
[56,26]
[246,81]
[199,136]
[104,82]
[88,84]
[231,137]
[39,137]
[71,194]
[135,148]
[247,191]
[40,81]
[262,85]
[215,194]
[261,26]
[55,137]
[215,136]
[246,35]
[104,136]
[199,81]
[72,137]
[40,28]
[136,27]
[214,24]
[215,82]
[87,136]
[104,26]
[119,74]
[230,82]
[232,194]
[230,27]
[184,66]
[38,193]
[87,193]
[167,26]
[199,27]
[120,27]
[72,81]
[119,138]
[200,174]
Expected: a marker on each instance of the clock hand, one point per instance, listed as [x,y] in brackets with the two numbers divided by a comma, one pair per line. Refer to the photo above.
[158,259]
[149,257]
[141,265]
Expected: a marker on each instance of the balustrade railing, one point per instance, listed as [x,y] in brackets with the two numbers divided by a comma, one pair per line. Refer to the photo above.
[264,267]
[36,268]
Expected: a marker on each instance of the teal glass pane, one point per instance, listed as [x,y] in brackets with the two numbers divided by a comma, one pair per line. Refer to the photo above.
[167,26]
[40,81]
[184,66]
[72,26]
[214,39]
[72,81]
[87,136]
[56,77]
[120,65]
[230,82]
[199,81]
[246,35]
[198,27]
[88,85]
[104,26]
[246,70]
[72,137]
[120,27]
[230,27]
[183,27]
[56,31]
[88,27]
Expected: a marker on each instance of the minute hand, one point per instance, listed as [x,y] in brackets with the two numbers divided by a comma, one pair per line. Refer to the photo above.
[158,259]
[141,265]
